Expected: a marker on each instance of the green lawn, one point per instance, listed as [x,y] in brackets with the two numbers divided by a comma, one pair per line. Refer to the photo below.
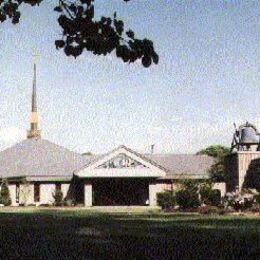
[84,233]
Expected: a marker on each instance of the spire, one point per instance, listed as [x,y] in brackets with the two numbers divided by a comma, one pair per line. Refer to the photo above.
[34,97]
[34,132]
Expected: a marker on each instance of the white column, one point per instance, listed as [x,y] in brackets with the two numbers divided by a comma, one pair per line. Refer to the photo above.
[88,194]
[152,194]
[26,194]
[46,193]
[12,190]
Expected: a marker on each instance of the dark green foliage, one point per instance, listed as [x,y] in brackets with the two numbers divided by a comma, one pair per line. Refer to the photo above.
[216,151]
[252,178]
[5,198]
[217,170]
[209,196]
[187,197]
[166,199]
[215,198]
[257,199]
[81,31]
[58,197]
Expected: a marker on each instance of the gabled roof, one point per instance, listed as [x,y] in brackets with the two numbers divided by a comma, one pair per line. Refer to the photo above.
[93,170]
[95,158]
[176,166]
[39,158]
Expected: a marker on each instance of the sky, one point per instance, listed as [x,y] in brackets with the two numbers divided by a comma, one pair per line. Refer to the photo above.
[207,78]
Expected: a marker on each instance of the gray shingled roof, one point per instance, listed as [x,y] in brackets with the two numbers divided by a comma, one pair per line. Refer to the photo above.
[183,165]
[39,158]
[176,166]
[43,160]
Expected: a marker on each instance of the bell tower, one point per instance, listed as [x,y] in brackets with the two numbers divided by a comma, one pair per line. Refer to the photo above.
[34,132]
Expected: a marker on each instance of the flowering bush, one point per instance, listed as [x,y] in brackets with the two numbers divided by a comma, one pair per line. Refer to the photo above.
[239,200]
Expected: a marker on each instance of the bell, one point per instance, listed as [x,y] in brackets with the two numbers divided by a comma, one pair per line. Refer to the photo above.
[249,135]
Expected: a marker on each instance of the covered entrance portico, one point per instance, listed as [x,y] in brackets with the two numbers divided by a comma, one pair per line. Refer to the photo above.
[120,192]
[120,178]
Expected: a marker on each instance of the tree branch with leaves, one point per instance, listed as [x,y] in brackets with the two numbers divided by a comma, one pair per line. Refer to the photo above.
[81,31]
[217,171]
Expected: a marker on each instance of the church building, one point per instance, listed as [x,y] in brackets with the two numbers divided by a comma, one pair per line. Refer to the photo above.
[36,167]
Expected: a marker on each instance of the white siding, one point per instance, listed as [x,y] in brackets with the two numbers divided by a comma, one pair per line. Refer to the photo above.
[12,190]
[221,186]
[88,195]
[153,190]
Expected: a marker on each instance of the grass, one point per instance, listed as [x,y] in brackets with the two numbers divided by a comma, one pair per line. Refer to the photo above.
[84,233]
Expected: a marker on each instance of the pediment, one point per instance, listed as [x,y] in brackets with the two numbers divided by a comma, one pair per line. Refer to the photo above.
[121,161]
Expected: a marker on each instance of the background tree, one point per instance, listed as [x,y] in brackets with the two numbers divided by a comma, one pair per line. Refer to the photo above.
[216,151]
[81,31]
[5,198]
[217,170]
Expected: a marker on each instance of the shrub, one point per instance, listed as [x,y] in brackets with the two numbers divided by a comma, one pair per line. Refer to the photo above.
[58,197]
[215,198]
[187,199]
[166,200]
[5,198]
[209,196]
[205,190]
